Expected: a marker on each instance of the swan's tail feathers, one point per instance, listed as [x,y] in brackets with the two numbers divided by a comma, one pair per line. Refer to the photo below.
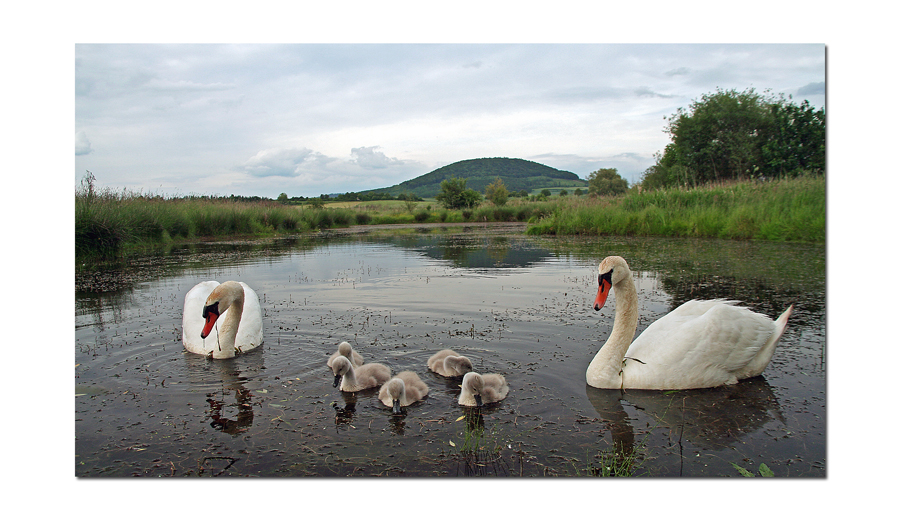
[781,322]
[761,361]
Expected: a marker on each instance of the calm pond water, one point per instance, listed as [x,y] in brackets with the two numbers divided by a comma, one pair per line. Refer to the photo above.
[514,304]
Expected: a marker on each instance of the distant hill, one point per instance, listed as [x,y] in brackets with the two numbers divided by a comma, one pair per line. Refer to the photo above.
[517,175]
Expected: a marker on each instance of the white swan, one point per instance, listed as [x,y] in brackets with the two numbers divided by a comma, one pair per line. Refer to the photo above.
[359,378]
[478,389]
[403,389]
[701,344]
[449,364]
[346,350]
[234,306]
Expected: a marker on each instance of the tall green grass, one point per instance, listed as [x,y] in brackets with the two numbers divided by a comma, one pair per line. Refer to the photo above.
[791,209]
[106,221]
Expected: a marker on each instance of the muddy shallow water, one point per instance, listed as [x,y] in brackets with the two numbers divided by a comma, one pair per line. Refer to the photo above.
[514,304]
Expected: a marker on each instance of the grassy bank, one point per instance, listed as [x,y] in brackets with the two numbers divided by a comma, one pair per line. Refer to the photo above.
[783,210]
[107,222]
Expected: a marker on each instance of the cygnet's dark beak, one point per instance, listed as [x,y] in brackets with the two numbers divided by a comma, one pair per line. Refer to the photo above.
[396,406]
[337,380]
[478,400]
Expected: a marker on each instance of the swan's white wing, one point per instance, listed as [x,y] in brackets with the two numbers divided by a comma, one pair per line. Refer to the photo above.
[700,344]
[250,331]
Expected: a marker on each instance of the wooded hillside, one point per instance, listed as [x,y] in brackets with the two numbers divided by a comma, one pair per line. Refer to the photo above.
[517,174]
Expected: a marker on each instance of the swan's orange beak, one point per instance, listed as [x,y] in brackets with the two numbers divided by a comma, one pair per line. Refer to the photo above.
[211,314]
[603,292]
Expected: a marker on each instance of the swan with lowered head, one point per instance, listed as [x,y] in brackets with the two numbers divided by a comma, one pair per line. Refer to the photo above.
[221,320]
[403,389]
[701,344]
[449,364]
[344,349]
[353,379]
[478,389]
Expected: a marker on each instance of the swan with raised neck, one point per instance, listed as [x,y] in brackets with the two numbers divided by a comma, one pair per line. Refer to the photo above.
[700,344]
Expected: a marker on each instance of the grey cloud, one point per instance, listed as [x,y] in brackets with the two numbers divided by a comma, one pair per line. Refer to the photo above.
[812,89]
[646,92]
[185,86]
[82,144]
[680,71]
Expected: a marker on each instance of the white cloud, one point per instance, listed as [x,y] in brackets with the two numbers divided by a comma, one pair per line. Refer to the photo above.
[82,144]
[370,158]
[289,162]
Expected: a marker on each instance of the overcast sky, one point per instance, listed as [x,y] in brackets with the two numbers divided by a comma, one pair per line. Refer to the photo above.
[308,119]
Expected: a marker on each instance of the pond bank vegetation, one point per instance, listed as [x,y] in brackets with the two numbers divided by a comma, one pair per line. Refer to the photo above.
[780,210]
[108,222]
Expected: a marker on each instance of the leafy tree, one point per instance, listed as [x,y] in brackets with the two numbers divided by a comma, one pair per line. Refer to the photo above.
[563,193]
[283,198]
[717,137]
[577,192]
[455,195]
[546,193]
[606,181]
[496,192]
[797,140]
[738,135]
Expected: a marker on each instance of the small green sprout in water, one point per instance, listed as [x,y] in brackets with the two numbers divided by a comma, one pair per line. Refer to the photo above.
[764,471]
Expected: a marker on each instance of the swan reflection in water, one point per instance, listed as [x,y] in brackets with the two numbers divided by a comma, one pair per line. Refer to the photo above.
[344,414]
[224,382]
[709,418]
[479,454]
[244,418]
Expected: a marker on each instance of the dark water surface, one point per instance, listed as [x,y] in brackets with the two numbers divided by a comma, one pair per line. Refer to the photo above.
[514,304]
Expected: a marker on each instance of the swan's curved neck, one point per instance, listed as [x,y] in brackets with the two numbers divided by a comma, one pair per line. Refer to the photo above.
[605,371]
[229,328]
[349,379]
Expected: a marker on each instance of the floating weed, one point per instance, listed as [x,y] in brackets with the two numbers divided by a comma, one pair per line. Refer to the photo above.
[764,471]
